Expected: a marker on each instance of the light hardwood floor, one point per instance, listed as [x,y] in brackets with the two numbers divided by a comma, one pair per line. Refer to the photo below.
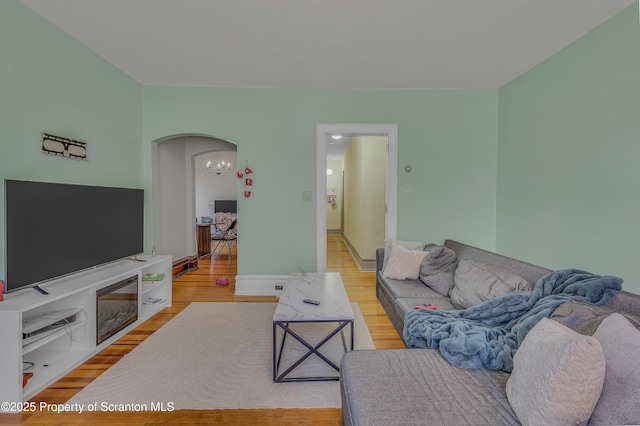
[200,286]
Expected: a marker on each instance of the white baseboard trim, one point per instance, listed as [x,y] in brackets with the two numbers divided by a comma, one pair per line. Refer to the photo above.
[259,285]
[365,265]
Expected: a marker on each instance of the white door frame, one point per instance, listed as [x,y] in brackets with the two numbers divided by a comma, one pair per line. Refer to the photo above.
[391,190]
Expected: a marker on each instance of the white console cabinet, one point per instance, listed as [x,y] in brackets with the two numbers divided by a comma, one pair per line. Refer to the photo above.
[54,355]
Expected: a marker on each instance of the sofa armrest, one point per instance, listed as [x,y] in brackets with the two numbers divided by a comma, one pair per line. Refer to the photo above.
[379,258]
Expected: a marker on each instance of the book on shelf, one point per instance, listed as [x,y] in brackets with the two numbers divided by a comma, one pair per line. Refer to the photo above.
[25,378]
[152,277]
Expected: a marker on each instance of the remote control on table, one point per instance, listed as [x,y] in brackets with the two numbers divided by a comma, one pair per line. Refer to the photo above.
[311,302]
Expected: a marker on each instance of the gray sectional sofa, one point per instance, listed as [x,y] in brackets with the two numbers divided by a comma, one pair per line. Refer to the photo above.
[418,386]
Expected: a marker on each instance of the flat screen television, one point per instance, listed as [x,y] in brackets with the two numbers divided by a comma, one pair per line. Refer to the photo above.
[226,206]
[55,229]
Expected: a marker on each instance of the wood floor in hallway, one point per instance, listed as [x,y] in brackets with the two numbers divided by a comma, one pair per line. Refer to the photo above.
[200,286]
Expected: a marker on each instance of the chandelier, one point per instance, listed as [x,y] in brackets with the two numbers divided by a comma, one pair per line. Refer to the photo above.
[219,167]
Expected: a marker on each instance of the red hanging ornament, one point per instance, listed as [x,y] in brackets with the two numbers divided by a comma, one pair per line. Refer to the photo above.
[248,182]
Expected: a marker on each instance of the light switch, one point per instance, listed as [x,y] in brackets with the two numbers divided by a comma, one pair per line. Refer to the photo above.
[306,195]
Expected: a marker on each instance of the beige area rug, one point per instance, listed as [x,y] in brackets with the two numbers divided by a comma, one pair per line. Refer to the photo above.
[219,355]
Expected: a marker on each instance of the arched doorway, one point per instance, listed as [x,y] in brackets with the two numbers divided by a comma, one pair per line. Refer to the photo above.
[175,187]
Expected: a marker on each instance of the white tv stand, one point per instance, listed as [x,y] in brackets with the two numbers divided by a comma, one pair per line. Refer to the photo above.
[60,351]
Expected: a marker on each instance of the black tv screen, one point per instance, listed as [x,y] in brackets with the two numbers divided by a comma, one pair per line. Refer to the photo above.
[55,229]
[226,206]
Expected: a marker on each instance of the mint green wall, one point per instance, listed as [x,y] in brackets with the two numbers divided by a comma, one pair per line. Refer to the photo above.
[545,169]
[447,136]
[569,156]
[50,83]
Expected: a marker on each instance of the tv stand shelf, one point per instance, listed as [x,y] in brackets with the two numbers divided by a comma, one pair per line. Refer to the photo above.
[60,332]
[63,349]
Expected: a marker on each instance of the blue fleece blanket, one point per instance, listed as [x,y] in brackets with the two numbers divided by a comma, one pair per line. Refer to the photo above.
[489,334]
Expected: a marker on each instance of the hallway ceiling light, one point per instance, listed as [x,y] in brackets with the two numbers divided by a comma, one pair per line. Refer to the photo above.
[336,137]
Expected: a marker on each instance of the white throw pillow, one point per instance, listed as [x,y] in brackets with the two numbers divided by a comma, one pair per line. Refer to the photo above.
[557,376]
[619,403]
[403,263]
[388,245]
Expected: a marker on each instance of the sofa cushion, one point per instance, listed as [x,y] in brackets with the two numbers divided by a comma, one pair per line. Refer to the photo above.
[410,245]
[418,387]
[403,263]
[406,288]
[476,282]
[406,304]
[529,272]
[557,376]
[581,317]
[437,269]
[619,402]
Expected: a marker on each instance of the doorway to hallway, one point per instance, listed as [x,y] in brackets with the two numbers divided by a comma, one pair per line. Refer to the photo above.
[323,135]
[356,176]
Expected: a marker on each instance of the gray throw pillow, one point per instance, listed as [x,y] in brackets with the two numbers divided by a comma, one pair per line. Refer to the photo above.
[437,269]
[476,282]
[619,402]
[557,376]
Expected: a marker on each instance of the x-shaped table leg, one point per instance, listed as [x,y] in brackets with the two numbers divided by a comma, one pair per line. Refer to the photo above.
[311,350]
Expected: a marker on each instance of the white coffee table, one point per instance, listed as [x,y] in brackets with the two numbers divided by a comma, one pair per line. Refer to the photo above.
[334,307]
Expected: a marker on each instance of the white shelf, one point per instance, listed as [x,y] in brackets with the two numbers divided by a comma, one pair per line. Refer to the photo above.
[148,286]
[154,302]
[60,332]
[62,350]
[58,363]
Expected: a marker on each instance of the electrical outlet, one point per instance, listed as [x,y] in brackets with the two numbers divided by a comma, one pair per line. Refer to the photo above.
[306,195]
[279,287]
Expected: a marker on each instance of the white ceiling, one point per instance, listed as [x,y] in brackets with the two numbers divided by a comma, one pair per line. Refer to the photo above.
[336,149]
[339,44]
